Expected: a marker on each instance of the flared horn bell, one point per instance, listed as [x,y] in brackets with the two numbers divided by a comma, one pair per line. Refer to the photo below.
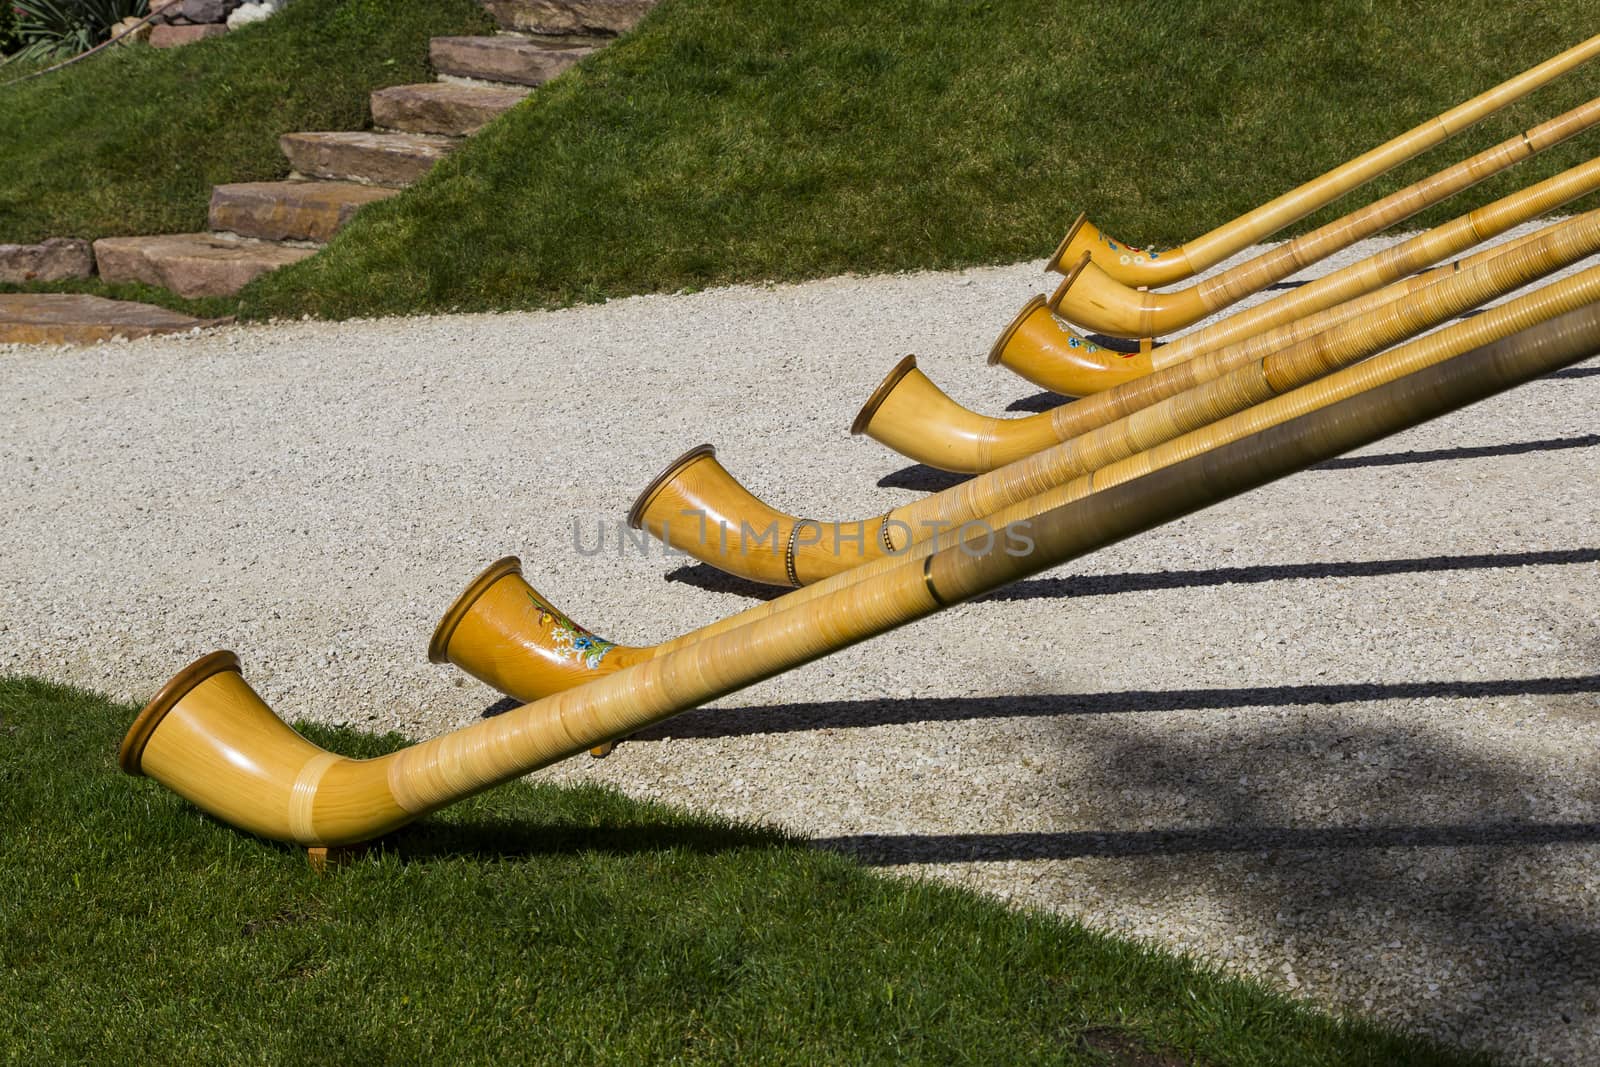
[1134,266]
[697,507]
[503,632]
[209,738]
[913,416]
[1039,347]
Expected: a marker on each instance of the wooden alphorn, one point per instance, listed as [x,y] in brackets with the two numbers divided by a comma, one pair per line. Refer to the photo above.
[1136,266]
[1094,300]
[208,736]
[1045,351]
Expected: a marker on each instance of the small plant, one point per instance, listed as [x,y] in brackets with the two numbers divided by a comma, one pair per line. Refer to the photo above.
[49,29]
[9,41]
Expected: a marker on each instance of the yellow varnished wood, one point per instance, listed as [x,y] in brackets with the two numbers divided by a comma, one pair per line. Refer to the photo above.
[1036,344]
[1041,361]
[1094,300]
[1135,266]
[520,643]
[209,738]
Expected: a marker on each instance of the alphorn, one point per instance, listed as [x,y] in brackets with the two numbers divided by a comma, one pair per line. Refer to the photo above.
[1135,266]
[210,738]
[1043,350]
[503,632]
[1094,300]
[700,509]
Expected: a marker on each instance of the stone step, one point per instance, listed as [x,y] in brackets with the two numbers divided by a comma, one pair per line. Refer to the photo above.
[78,319]
[600,17]
[192,264]
[380,158]
[290,211]
[523,60]
[55,260]
[435,107]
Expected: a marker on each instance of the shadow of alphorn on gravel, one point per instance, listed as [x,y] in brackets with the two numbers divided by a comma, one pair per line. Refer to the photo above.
[1084,585]
[1438,455]
[704,576]
[857,714]
[1048,401]
[921,478]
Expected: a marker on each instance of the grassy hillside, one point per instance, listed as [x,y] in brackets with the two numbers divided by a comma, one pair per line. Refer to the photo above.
[733,140]
[131,141]
[536,924]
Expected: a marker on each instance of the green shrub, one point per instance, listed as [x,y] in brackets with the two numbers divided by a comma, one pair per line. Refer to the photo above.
[61,28]
[9,42]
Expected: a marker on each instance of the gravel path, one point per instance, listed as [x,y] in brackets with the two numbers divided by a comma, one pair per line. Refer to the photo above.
[1340,733]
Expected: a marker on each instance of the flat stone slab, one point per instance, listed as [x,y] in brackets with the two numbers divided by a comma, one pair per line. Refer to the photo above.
[435,107]
[380,158]
[522,60]
[290,211]
[193,264]
[606,17]
[165,36]
[77,319]
[57,259]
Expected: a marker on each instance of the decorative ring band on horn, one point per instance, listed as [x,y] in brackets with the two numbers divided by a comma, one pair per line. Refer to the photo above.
[208,737]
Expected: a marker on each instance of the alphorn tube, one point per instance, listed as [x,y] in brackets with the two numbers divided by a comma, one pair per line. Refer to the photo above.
[703,487]
[1042,349]
[999,505]
[1094,300]
[1136,266]
[211,739]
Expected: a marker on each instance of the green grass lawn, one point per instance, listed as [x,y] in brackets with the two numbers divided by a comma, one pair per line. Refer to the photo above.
[542,924]
[742,140]
[131,141]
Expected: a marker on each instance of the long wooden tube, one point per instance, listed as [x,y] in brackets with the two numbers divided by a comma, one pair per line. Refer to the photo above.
[500,638]
[917,419]
[1135,266]
[1094,300]
[208,737]
[837,546]
[1046,351]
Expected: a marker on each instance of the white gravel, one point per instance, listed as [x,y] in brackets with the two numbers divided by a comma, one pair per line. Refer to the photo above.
[1340,734]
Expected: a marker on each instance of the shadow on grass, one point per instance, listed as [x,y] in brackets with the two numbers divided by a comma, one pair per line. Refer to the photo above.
[881,850]
[500,839]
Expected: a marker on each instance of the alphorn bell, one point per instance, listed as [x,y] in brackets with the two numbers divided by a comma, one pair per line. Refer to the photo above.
[1135,266]
[1092,299]
[803,550]
[1045,351]
[495,599]
[210,738]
